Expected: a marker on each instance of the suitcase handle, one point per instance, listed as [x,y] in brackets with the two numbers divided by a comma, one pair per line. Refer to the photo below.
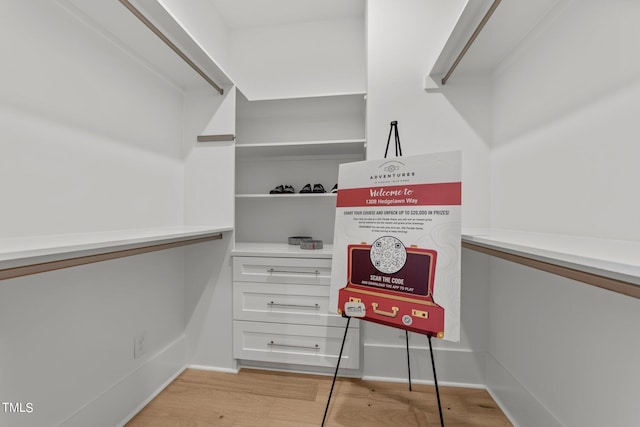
[393,313]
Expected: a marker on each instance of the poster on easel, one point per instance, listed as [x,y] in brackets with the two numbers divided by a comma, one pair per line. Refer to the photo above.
[396,247]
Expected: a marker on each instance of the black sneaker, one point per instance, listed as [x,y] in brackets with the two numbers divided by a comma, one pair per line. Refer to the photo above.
[277,190]
[306,189]
[334,189]
[288,190]
[318,188]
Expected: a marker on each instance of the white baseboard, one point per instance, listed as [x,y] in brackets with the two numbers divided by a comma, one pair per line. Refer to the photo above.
[458,368]
[213,368]
[518,404]
[124,399]
[298,369]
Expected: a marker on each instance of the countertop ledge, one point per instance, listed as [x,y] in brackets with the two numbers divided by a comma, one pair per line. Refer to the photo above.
[615,259]
[24,251]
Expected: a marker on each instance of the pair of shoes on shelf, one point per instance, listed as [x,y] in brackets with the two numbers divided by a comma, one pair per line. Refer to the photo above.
[317,188]
[288,189]
[282,189]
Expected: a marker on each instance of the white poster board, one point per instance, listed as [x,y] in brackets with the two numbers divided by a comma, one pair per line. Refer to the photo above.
[396,257]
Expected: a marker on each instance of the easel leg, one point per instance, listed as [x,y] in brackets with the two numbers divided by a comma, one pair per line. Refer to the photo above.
[408,361]
[435,380]
[335,374]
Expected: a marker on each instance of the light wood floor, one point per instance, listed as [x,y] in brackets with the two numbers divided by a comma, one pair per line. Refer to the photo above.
[256,398]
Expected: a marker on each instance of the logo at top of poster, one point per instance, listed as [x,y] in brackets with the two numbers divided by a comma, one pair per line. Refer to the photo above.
[391,172]
[392,168]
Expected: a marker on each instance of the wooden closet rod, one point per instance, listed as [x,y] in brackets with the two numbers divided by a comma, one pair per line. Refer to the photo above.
[169,43]
[214,138]
[473,37]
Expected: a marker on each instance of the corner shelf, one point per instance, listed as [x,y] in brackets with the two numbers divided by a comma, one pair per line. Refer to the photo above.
[608,264]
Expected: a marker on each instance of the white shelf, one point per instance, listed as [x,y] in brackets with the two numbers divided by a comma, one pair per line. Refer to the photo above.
[26,251]
[309,95]
[509,25]
[293,142]
[614,259]
[280,250]
[301,148]
[287,196]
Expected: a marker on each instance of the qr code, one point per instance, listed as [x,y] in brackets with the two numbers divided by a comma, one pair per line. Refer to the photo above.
[388,254]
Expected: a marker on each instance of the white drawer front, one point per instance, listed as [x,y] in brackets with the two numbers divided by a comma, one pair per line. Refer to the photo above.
[284,303]
[309,271]
[295,344]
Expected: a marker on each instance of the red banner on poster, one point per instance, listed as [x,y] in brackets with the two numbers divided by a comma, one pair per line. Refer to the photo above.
[439,194]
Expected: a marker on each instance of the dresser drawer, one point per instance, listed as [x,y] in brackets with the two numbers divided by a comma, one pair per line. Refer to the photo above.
[284,303]
[309,271]
[295,344]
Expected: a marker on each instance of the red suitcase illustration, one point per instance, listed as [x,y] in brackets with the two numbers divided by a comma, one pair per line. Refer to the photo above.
[395,284]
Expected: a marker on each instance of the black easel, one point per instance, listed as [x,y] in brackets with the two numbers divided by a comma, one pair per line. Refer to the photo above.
[394,130]
[335,374]
[394,127]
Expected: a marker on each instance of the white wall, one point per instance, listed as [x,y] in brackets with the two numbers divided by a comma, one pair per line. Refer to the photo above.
[564,161]
[208,306]
[402,45]
[562,353]
[90,141]
[298,60]
[88,135]
[66,339]
[209,166]
[566,125]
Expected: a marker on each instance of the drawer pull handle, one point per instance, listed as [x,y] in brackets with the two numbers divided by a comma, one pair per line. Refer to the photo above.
[392,313]
[277,304]
[273,270]
[306,347]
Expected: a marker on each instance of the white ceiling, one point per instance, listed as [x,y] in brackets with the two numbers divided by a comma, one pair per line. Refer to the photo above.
[256,13]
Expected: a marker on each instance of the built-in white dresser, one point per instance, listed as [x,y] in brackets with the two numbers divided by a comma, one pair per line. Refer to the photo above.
[281,311]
